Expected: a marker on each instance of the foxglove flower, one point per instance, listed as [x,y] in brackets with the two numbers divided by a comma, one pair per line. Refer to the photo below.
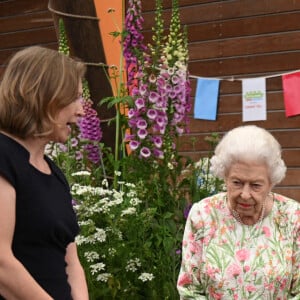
[90,131]
[162,88]
[145,152]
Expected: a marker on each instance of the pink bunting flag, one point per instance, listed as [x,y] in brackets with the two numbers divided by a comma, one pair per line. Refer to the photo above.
[291,93]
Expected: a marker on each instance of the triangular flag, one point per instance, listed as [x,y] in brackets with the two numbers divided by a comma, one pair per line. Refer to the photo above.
[206,99]
[254,99]
[291,93]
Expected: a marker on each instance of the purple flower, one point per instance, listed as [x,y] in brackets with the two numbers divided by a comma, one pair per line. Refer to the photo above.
[89,125]
[172,94]
[151,114]
[133,46]
[141,124]
[139,103]
[131,113]
[158,153]
[157,140]
[132,123]
[145,152]
[134,145]
[74,142]
[161,87]
[187,210]
[175,79]
[142,133]
[63,147]
[179,130]
[93,153]
[152,78]
[90,130]
[153,96]
[178,251]
[78,155]
[143,89]
[160,121]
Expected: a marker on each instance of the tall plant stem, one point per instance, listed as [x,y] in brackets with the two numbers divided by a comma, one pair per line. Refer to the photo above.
[119,95]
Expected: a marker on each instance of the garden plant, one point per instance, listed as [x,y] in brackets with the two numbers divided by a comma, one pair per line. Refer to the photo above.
[132,200]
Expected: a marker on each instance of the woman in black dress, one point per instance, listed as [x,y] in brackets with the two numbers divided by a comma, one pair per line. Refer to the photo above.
[40,97]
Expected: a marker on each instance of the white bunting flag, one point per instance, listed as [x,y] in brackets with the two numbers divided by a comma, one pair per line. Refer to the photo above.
[254,99]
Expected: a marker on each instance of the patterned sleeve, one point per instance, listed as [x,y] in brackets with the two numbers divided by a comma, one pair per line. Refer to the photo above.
[295,287]
[188,284]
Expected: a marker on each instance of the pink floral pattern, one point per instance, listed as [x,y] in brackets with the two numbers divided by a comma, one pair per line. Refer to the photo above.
[222,259]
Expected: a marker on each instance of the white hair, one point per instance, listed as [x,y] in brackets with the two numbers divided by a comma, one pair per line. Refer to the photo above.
[249,143]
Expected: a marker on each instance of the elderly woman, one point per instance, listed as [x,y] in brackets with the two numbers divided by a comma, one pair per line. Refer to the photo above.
[244,243]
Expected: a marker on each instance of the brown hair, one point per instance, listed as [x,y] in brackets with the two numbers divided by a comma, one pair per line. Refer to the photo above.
[37,83]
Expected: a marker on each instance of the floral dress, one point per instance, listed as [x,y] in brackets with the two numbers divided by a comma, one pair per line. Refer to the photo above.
[223,259]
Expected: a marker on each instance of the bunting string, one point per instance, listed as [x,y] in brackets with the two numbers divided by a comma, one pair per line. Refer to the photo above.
[60,13]
[233,78]
[254,95]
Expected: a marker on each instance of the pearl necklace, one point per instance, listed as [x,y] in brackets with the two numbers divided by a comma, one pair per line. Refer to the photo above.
[238,217]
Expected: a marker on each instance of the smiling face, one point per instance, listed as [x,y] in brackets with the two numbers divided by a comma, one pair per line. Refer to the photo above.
[248,186]
[66,117]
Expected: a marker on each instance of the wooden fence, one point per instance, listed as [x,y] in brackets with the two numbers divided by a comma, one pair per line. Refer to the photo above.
[230,38]
[242,39]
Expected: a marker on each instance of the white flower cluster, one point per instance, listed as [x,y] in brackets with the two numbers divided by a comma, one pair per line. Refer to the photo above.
[96,268]
[100,235]
[112,252]
[115,231]
[128,211]
[103,277]
[146,277]
[91,256]
[81,173]
[133,265]
[79,190]
[106,205]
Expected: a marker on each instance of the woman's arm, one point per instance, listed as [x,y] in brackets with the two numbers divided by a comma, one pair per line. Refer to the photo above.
[295,288]
[15,281]
[188,284]
[76,276]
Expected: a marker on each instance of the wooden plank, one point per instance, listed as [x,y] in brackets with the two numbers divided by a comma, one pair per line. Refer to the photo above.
[29,37]
[225,10]
[16,7]
[5,54]
[243,27]
[292,177]
[292,157]
[291,192]
[289,158]
[289,140]
[225,122]
[26,21]
[167,4]
[287,41]
[250,65]
[2,68]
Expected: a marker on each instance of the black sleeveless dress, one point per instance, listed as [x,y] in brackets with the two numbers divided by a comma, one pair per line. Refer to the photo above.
[45,219]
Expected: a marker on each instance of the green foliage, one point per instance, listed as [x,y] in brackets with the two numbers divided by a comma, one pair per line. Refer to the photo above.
[62,39]
[132,211]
